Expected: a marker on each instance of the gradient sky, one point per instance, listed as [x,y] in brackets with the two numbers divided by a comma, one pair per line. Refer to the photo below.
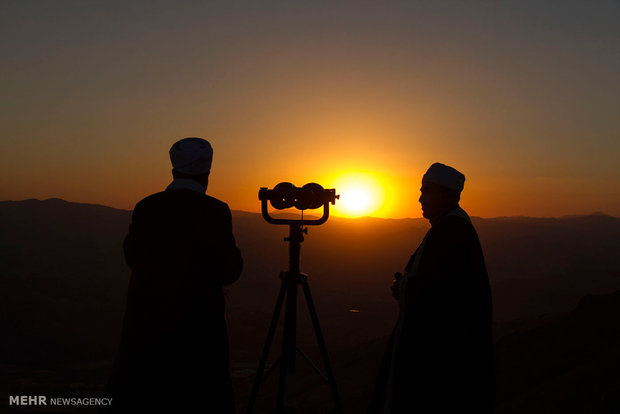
[523,97]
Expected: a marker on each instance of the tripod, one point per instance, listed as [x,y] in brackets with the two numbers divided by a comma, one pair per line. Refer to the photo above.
[290,281]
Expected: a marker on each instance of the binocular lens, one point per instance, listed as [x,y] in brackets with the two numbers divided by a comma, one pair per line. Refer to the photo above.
[309,197]
[283,196]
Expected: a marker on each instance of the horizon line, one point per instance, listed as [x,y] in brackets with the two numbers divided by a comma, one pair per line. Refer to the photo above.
[595,213]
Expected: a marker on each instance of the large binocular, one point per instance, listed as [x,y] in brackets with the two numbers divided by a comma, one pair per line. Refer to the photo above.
[286,195]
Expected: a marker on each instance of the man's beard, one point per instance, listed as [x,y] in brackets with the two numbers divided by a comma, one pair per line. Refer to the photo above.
[425,215]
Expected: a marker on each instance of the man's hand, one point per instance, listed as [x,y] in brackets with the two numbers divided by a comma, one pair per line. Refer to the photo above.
[396,284]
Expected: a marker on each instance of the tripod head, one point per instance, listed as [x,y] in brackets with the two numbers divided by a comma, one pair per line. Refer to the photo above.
[286,195]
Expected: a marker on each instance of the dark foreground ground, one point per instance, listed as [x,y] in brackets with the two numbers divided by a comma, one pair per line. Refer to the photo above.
[568,364]
[555,283]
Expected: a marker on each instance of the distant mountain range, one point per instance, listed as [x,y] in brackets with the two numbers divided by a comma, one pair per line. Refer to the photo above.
[63,283]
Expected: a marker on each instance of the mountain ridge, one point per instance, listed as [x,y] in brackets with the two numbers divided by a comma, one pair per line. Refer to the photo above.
[599,214]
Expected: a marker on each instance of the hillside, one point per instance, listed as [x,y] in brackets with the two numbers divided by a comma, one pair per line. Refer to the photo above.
[63,283]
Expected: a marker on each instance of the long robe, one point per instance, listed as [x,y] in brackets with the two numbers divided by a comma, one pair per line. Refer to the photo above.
[440,357]
[173,352]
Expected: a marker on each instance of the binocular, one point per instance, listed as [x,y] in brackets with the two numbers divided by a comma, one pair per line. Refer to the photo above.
[286,195]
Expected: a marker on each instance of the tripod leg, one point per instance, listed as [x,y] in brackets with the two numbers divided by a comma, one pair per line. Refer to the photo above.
[289,338]
[322,347]
[265,355]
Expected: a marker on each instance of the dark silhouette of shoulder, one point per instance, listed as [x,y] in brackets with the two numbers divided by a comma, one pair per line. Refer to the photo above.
[183,227]
[184,209]
[180,195]
[454,226]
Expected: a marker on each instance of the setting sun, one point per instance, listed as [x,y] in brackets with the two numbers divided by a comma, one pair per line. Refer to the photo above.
[361,194]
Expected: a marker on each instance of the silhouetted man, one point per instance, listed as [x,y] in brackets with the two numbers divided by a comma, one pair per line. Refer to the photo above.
[440,357]
[173,353]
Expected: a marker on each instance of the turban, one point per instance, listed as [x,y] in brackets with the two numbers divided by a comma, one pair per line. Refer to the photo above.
[191,156]
[444,176]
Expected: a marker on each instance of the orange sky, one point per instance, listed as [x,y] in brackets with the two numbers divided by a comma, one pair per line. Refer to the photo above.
[525,101]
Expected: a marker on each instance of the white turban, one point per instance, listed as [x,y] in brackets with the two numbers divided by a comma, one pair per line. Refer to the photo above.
[444,176]
[191,156]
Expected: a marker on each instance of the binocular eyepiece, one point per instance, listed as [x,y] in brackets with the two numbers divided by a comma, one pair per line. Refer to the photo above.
[286,195]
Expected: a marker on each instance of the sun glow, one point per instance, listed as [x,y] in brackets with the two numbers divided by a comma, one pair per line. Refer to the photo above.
[361,194]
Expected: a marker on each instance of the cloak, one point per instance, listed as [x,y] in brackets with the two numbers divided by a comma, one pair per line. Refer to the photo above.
[173,352]
[440,357]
